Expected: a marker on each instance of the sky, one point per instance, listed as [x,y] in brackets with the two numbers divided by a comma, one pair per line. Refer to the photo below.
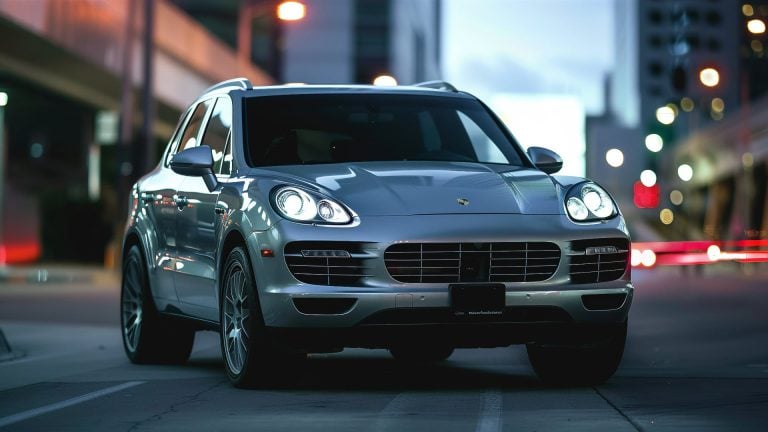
[529,46]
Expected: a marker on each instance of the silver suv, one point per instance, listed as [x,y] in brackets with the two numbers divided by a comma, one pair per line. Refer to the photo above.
[307,219]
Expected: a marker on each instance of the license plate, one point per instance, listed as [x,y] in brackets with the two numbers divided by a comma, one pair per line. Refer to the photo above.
[478,300]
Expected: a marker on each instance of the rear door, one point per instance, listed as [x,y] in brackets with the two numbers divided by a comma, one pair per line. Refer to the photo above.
[199,223]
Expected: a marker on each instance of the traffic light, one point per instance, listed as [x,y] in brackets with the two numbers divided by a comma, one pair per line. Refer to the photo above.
[645,196]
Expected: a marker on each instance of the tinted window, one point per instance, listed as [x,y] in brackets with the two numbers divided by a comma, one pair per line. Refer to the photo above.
[175,138]
[217,131]
[305,129]
[189,139]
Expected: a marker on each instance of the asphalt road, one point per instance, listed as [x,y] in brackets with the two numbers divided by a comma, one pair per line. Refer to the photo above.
[697,359]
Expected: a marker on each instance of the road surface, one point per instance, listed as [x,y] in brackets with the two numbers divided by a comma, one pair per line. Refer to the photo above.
[696,359]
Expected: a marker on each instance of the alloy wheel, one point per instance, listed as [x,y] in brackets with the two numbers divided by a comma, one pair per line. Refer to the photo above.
[236,316]
[132,304]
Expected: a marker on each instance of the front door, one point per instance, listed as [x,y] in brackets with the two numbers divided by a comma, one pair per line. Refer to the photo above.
[199,224]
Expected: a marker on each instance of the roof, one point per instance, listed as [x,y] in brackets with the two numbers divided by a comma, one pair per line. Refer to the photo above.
[426,88]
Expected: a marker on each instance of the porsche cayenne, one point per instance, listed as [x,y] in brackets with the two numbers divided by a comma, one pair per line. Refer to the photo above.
[307,219]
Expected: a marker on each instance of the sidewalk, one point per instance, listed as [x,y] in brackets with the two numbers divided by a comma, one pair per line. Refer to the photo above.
[57,274]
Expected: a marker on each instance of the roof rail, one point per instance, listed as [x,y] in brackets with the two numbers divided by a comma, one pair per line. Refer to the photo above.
[438,85]
[241,83]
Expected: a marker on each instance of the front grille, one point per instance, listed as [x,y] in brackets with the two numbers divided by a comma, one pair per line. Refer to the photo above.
[323,263]
[598,267]
[472,262]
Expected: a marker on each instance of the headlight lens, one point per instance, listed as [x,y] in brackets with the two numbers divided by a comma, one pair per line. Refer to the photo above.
[589,202]
[300,205]
[597,201]
[577,209]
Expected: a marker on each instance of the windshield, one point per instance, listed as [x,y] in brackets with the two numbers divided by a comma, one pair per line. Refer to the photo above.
[315,129]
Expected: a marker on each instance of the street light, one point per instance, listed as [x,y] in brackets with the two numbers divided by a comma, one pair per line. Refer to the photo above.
[756,26]
[385,80]
[250,9]
[291,11]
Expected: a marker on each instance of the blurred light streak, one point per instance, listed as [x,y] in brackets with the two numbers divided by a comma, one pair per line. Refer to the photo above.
[17,253]
[677,253]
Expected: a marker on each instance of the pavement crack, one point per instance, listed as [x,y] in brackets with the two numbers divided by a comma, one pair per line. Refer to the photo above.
[618,410]
[173,407]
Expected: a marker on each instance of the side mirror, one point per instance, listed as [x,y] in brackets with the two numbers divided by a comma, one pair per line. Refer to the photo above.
[545,159]
[196,162]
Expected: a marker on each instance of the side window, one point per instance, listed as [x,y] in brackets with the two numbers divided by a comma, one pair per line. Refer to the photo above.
[217,131]
[175,138]
[226,166]
[189,139]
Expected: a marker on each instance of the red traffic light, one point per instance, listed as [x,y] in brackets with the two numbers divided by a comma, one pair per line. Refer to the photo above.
[646,196]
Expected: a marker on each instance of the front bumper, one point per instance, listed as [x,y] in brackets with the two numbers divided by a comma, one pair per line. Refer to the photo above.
[278,288]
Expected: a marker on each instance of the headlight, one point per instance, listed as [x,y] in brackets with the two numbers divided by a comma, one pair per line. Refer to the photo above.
[302,206]
[588,202]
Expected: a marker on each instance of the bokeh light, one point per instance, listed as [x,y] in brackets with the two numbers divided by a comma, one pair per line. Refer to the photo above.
[665,115]
[676,197]
[385,81]
[654,142]
[648,178]
[710,77]
[614,157]
[685,172]
[687,104]
[666,216]
[713,252]
[756,26]
[291,11]
[718,105]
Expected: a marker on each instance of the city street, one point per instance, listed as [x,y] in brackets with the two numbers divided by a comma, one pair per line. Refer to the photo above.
[697,359]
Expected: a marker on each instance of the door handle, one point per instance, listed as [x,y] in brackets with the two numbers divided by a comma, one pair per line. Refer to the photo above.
[181,201]
[147,198]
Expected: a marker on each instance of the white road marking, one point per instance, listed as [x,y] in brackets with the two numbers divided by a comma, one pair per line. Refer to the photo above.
[25,415]
[490,413]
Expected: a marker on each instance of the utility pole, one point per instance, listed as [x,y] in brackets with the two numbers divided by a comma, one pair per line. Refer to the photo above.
[124,154]
[148,105]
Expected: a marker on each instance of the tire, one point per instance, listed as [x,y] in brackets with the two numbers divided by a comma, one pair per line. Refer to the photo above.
[586,365]
[149,337]
[250,359]
[421,354]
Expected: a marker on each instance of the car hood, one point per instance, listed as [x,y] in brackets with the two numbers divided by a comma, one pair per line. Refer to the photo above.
[412,188]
